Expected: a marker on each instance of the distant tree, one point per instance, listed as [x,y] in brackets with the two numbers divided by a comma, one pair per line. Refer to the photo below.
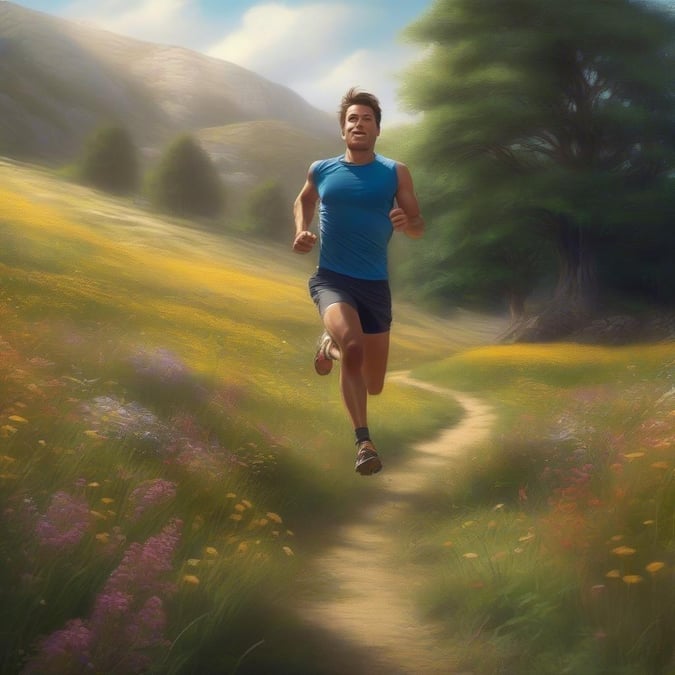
[268,211]
[545,125]
[110,161]
[186,182]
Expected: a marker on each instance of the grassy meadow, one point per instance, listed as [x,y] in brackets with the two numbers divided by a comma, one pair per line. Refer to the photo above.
[169,462]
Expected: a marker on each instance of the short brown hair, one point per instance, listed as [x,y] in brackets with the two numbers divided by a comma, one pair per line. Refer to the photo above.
[357,97]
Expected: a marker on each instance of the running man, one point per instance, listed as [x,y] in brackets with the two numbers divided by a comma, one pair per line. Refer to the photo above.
[364,197]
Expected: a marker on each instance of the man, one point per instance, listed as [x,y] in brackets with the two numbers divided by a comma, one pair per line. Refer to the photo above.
[363,197]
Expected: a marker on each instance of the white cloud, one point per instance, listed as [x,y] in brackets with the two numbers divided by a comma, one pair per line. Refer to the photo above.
[318,49]
[373,70]
[284,43]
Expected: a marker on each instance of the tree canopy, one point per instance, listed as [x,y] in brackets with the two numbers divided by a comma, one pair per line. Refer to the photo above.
[186,182]
[547,140]
[110,161]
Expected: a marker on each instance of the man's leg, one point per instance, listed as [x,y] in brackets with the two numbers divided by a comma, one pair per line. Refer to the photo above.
[344,326]
[376,354]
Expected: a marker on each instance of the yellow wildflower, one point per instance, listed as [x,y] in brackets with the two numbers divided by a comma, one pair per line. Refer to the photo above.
[103,537]
[660,465]
[632,579]
[235,516]
[211,551]
[18,418]
[193,562]
[191,580]
[655,566]
[246,503]
[633,455]
[470,556]
[107,500]
[93,484]
[623,550]
[287,550]
[275,517]
[613,574]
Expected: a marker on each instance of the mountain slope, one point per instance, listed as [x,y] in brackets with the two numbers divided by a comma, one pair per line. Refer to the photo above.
[60,79]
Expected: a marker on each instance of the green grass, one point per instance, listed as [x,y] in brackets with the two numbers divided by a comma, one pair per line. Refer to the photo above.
[157,379]
[164,437]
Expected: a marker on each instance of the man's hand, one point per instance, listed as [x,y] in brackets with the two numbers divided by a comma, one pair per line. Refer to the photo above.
[402,222]
[304,241]
[399,219]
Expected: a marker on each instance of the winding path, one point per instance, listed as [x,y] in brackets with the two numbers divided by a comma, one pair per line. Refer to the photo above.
[372,612]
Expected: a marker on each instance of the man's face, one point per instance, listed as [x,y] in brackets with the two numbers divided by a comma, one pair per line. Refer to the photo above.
[360,130]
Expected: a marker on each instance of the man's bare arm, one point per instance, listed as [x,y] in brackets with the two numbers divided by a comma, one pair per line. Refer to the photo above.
[406,216]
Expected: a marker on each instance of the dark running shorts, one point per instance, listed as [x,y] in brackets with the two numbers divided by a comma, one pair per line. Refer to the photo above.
[371,299]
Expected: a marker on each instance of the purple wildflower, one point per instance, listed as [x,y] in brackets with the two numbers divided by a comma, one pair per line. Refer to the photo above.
[64,651]
[149,495]
[64,523]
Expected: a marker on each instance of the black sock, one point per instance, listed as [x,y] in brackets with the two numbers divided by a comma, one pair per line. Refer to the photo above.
[362,434]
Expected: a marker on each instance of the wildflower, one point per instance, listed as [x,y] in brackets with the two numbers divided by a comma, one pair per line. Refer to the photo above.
[274,517]
[632,579]
[654,567]
[633,455]
[470,556]
[246,503]
[235,516]
[242,548]
[230,495]
[613,574]
[287,550]
[623,551]
[660,465]
[18,419]
[103,537]
[65,650]
[191,580]
[211,551]
[239,507]
[64,523]
[93,484]
[107,500]
[150,495]
[193,562]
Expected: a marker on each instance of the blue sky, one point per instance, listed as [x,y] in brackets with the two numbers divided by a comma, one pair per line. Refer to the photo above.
[318,48]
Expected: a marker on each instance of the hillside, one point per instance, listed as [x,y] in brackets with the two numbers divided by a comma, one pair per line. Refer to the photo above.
[59,80]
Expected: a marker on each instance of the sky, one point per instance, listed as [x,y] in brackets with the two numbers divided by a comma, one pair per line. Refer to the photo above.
[317,48]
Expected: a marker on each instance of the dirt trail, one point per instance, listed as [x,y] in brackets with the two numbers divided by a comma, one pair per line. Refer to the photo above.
[372,612]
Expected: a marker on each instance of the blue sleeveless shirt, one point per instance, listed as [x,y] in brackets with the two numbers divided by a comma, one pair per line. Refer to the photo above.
[354,215]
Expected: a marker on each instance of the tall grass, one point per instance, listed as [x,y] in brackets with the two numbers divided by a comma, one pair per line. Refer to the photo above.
[167,456]
[559,555]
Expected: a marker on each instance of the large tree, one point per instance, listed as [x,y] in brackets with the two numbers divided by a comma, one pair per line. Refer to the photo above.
[544,121]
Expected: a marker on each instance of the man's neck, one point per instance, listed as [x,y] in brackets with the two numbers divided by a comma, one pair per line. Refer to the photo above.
[359,156]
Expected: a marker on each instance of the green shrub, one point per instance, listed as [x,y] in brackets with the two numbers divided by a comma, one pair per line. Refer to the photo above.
[186,182]
[110,161]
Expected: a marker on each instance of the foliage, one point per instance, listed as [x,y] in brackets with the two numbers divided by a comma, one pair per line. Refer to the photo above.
[110,161]
[547,134]
[269,213]
[186,182]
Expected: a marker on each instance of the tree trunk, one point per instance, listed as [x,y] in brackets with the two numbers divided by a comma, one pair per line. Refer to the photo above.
[576,290]
[575,294]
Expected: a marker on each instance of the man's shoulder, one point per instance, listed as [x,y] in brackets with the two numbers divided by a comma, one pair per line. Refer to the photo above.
[320,166]
[386,161]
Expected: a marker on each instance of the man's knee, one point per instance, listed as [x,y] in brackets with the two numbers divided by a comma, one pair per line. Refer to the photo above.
[352,354]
